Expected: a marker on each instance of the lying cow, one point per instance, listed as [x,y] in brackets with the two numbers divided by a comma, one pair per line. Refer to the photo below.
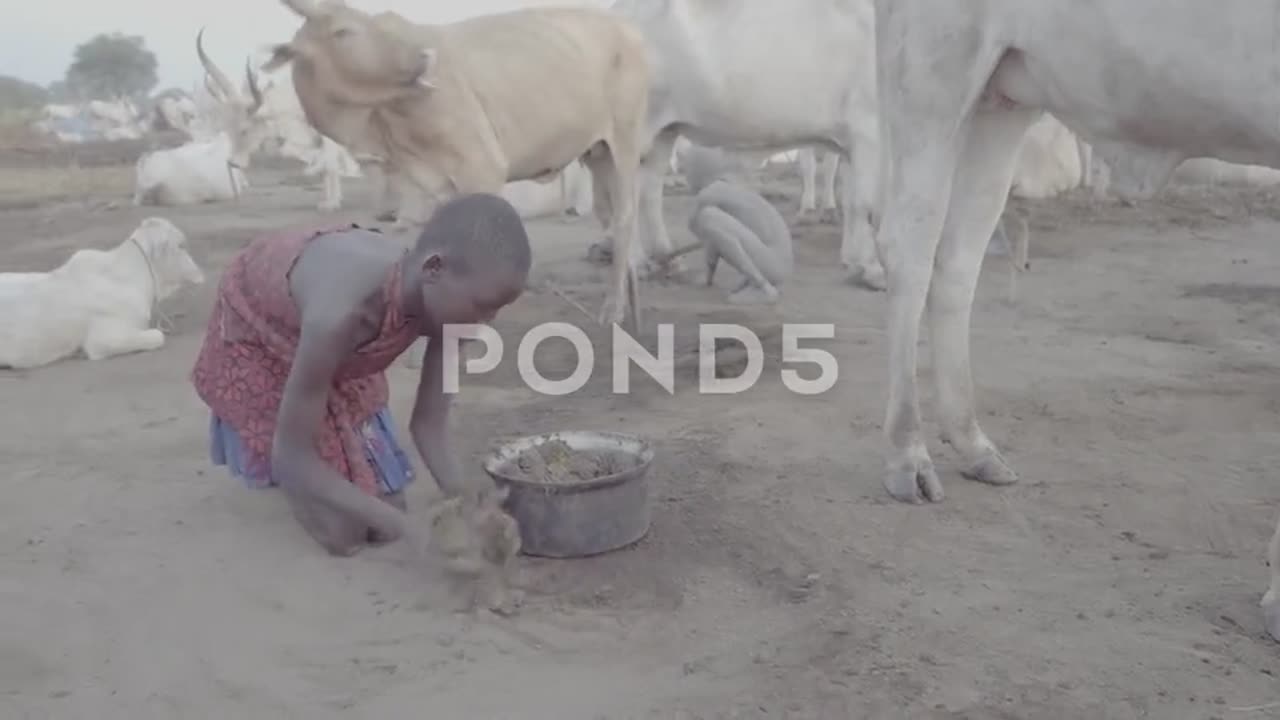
[197,172]
[469,106]
[98,301]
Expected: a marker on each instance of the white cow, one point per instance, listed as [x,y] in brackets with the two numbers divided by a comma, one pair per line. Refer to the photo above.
[727,75]
[178,112]
[570,192]
[98,301]
[960,84]
[278,115]
[472,105]
[1050,162]
[115,120]
[1116,165]
[197,172]
[961,87]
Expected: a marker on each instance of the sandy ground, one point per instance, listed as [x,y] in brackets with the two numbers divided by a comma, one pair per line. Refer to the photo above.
[1133,386]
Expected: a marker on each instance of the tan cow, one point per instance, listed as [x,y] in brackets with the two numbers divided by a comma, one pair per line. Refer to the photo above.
[468,106]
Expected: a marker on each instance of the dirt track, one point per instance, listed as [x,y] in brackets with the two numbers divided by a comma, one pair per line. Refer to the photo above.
[1133,387]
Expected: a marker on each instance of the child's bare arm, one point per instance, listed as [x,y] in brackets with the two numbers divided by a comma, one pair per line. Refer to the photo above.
[430,423]
[295,463]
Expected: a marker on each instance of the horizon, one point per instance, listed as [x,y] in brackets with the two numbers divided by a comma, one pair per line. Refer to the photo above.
[38,45]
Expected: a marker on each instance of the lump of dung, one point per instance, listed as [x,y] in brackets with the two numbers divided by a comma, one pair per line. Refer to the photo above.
[555,463]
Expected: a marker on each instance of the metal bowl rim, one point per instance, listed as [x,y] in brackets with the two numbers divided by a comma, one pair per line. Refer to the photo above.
[509,449]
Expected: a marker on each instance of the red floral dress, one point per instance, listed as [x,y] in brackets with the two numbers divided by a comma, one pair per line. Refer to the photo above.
[249,346]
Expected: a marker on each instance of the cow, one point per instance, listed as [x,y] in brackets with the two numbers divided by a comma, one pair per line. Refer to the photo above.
[713,84]
[270,117]
[569,195]
[960,84]
[238,115]
[98,301]
[200,171]
[471,105]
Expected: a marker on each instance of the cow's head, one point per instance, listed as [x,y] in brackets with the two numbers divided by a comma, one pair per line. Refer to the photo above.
[353,57]
[165,249]
[245,120]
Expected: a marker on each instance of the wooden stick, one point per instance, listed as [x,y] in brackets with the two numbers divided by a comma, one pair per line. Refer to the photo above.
[668,257]
[554,290]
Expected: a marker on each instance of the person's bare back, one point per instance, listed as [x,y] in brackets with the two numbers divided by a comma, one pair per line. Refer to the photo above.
[739,226]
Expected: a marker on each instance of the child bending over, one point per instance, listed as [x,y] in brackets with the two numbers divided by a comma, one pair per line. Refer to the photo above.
[294,358]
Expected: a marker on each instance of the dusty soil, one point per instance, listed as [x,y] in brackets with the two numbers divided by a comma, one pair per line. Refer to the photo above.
[1133,386]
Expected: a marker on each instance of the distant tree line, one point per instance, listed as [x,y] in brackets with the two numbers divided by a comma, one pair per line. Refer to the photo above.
[109,66]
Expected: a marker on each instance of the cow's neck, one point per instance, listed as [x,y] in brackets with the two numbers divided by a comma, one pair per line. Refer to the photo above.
[344,124]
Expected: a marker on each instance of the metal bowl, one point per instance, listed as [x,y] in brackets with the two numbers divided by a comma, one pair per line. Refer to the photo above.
[566,520]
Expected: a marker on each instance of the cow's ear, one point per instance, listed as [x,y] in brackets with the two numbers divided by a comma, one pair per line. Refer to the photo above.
[280,55]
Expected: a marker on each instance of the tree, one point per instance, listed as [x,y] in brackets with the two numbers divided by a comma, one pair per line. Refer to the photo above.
[18,94]
[60,92]
[110,67]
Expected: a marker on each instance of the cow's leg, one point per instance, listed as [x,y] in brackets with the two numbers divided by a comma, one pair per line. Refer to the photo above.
[332,190]
[651,227]
[601,207]
[807,164]
[1271,601]
[619,164]
[109,337]
[859,173]
[979,192]
[923,115]
[830,166]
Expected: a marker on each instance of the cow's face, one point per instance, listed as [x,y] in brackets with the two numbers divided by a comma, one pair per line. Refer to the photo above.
[167,255]
[250,129]
[354,57]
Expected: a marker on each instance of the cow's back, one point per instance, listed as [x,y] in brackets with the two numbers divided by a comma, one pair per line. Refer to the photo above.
[787,63]
[548,80]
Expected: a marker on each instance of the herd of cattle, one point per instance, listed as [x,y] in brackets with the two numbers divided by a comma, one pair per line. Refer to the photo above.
[929,114]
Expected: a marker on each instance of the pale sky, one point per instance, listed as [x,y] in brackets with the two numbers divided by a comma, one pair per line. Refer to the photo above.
[37,43]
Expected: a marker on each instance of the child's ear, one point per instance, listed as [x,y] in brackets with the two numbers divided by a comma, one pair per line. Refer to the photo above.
[433,264]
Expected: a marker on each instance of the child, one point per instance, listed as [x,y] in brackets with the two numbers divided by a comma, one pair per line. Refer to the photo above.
[293,361]
[739,226]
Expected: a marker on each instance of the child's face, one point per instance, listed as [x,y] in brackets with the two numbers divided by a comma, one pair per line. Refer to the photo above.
[453,298]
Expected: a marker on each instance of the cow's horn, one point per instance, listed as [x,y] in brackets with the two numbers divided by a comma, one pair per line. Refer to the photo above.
[253,85]
[304,8]
[228,90]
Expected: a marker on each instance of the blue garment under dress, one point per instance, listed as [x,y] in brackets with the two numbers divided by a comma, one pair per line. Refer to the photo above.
[390,464]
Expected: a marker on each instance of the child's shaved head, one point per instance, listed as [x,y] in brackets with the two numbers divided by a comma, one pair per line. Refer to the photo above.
[474,259]
[477,232]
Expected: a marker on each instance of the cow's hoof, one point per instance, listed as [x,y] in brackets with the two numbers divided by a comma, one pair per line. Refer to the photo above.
[867,278]
[600,253]
[386,216]
[992,470]
[612,312]
[913,481]
[830,216]
[804,216]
